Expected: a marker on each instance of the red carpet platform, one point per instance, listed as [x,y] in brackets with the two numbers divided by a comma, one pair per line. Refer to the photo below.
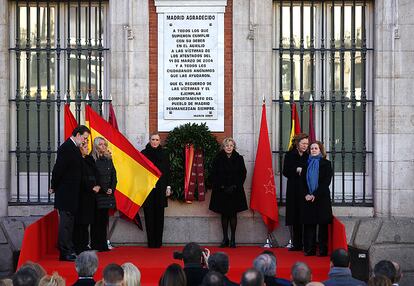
[152,262]
[40,241]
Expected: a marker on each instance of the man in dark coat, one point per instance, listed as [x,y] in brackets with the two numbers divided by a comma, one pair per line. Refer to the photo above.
[219,262]
[66,184]
[194,270]
[340,274]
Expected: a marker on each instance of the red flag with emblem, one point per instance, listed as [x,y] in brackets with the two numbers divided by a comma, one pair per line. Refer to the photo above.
[263,195]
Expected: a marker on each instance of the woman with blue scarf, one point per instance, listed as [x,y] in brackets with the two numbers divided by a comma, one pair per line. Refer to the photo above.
[317,209]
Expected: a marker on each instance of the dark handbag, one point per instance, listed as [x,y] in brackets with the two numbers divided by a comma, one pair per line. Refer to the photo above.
[230,189]
[104,201]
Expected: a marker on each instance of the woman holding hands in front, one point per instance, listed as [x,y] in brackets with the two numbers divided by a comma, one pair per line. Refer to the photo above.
[317,210]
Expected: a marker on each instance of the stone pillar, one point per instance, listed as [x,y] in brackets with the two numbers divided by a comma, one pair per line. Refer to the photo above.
[4,107]
[394,106]
[129,67]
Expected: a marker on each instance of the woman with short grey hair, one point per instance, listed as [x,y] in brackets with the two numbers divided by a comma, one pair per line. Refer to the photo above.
[86,265]
[265,264]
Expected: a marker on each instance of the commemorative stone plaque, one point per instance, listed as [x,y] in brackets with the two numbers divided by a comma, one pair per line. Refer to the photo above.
[190,66]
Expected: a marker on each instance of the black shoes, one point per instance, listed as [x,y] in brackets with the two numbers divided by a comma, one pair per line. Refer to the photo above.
[67,257]
[310,253]
[225,243]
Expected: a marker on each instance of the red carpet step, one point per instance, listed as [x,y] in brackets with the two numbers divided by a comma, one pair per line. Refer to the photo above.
[152,262]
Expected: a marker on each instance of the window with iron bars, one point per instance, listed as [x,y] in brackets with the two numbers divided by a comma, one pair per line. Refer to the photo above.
[58,56]
[323,53]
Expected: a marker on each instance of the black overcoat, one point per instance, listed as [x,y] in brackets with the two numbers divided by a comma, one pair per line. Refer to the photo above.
[159,157]
[67,176]
[106,174]
[226,172]
[320,210]
[87,198]
[295,186]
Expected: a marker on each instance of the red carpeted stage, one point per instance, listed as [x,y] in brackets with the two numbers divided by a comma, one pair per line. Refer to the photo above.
[40,241]
[152,262]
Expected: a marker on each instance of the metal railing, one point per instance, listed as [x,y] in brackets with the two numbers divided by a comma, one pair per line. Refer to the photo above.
[59,57]
[323,59]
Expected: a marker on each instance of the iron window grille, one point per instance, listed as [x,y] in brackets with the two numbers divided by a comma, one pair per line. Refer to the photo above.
[58,56]
[323,53]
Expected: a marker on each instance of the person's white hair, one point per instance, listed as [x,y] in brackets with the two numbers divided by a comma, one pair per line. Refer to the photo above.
[86,263]
[265,264]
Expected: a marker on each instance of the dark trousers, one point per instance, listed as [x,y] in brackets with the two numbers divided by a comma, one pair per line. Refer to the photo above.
[310,237]
[65,232]
[99,230]
[297,235]
[81,237]
[154,224]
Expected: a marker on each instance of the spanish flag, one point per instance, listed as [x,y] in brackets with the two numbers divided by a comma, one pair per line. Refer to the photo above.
[137,175]
[295,125]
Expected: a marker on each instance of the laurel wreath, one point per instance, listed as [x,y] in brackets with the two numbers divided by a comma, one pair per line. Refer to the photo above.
[191,133]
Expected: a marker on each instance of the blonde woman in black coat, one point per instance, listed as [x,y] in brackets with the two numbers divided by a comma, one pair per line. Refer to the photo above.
[228,174]
[106,177]
[317,210]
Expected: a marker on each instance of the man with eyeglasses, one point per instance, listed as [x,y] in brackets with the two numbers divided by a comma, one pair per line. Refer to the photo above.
[65,184]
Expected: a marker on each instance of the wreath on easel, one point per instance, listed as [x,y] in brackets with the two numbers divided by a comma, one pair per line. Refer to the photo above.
[191,133]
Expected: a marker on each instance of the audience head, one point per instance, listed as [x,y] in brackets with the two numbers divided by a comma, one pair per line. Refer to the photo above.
[25,276]
[52,280]
[301,274]
[36,267]
[192,253]
[219,262]
[379,280]
[314,283]
[252,277]
[265,264]
[132,275]
[213,278]
[385,268]
[340,258]
[86,264]
[113,274]
[398,272]
[6,282]
[173,276]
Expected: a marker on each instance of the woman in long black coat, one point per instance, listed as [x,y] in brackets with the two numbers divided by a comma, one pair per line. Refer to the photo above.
[295,161]
[107,181]
[228,174]
[317,210]
[157,199]
[85,215]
